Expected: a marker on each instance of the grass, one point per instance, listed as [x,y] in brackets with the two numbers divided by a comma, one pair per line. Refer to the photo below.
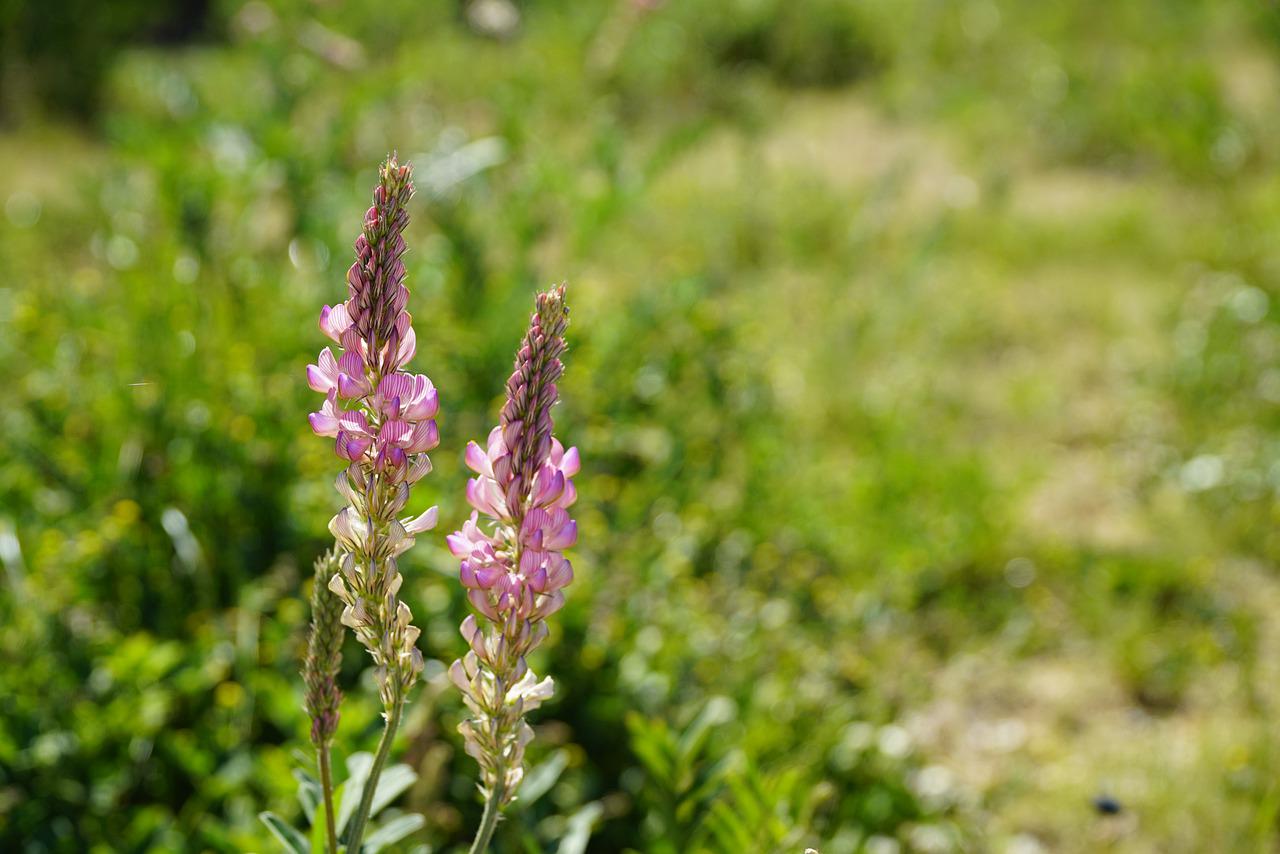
[929,419]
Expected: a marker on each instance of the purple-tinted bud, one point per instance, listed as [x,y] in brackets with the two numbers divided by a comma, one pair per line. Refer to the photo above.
[324,654]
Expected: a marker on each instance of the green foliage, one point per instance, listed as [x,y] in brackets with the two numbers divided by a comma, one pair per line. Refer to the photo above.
[923,366]
[381,833]
[60,59]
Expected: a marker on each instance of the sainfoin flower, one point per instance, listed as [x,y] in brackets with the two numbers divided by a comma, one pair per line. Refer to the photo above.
[382,420]
[512,562]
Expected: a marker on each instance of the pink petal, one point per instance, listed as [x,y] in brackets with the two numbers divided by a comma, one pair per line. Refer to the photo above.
[493,445]
[351,447]
[334,321]
[354,422]
[477,460]
[408,347]
[563,538]
[571,462]
[425,437]
[323,424]
[480,601]
[559,572]
[350,387]
[425,522]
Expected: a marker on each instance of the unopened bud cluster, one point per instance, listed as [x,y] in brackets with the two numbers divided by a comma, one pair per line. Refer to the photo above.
[324,654]
[513,563]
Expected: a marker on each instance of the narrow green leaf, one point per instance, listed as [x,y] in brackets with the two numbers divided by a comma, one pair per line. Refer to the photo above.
[654,746]
[393,781]
[542,777]
[318,834]
[712,779]
[579,832]
[309,794]
[358,767]
[717,711]
[289,836]
[393,831]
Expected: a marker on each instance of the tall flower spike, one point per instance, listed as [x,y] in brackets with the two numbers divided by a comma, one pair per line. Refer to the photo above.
[382,419]
[512,563]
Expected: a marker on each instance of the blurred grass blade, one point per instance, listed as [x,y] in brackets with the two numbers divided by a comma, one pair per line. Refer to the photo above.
[288,835]
[579,832]
[717,711]
[442,173]
[541,778]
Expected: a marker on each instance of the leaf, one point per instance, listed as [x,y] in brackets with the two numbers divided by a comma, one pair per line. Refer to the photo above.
[289,836]
[713,778]
[653,746]
[717,711]
[728,829]
[358,767]
[393,831]
[542,777]
[579,832]
[309,794]
[319,833]
[393,781]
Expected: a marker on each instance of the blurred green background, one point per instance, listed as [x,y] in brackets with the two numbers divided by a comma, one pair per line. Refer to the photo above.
[925,366]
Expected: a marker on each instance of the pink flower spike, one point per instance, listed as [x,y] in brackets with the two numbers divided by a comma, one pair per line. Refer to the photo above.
[515,575]
[381,441]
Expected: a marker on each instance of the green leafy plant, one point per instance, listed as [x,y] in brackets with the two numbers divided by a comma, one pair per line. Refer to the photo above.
[392,828]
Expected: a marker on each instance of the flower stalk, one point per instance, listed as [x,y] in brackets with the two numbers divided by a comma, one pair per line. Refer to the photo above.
[382,420]
[323,698]
[513,563]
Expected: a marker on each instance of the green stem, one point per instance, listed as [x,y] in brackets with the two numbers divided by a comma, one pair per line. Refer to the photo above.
[326,786]
[355,832]
[492,809]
